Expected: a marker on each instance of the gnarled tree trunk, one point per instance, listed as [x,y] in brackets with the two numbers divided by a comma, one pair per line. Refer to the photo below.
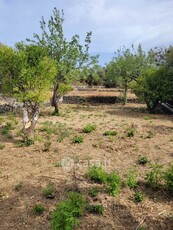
[55,99]
[125,93]
[29,124]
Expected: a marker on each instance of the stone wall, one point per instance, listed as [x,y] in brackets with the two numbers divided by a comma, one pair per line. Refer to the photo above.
[94,99]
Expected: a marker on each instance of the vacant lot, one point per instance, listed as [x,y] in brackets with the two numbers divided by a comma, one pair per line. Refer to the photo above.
[56,159]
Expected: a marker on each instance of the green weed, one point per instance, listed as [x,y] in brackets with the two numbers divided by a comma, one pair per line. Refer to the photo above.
[68,211]
[38,209]
[110,133]
[89,128]
[77,139]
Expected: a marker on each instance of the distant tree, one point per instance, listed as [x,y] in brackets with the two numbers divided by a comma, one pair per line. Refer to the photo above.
[111,78]
[95,75]
[27,74]
[69,55]
[127,66]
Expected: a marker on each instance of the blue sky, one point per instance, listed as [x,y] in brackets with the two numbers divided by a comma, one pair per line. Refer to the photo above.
[113,22]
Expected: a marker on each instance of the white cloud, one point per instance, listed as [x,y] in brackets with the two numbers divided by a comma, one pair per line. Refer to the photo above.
[113,22]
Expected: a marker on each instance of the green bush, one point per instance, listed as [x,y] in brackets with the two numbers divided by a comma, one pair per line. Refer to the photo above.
[38,209]
[153,86]
[97,174]
[138,196]
[89,128]
[131,133]
[132,180]
[142,160]
[77,139]
[95,209]
[2,146]
[65,216]
[7,128]
[155,175]
[110,133]
[168,176]
[113,183]
[29,142]
[49,191]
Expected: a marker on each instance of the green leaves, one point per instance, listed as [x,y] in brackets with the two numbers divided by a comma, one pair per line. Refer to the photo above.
[26,73]
[68,55]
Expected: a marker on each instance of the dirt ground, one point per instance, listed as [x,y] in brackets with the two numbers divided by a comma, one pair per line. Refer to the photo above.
[101,92]
[65,164]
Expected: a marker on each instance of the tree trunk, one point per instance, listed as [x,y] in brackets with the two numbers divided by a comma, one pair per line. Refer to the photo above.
[29,124]
[125,93]
[54,100]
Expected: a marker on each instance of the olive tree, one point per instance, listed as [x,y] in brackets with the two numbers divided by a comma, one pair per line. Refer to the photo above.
[69,55]
[27,74]
[127,66]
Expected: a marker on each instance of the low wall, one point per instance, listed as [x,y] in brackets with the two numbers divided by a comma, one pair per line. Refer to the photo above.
[94,99]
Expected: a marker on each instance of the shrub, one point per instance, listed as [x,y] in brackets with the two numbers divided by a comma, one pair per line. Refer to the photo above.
[77,139]
[49,191]
[95,209]
[168,176]
[38,209]
[2,146]
[7,128]
[110,133]
[97,174]
[142,160]
[147,117]
[66,214]
[146,87]
[29,142]
[138,196]
[155,175]
[89,128]
[132,180]
[113,182]
[131,133]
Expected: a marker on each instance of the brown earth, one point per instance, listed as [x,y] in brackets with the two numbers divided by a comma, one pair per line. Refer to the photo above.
[33,168]
[101,92]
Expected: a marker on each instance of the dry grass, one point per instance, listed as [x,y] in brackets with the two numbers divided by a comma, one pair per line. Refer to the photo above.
[34,168]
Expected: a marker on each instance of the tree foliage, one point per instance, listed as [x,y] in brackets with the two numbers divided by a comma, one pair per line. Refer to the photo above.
[127,66]
[155,84]
[68,55]
[27,74]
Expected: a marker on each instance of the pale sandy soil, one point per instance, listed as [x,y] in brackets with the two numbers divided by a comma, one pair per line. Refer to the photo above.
[34,168]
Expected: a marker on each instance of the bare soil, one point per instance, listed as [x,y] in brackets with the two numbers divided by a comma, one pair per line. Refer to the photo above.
[33,168]
[101,92]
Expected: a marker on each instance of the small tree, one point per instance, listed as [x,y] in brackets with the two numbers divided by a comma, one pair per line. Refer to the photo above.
[69,55]
[27,73]
[128,65]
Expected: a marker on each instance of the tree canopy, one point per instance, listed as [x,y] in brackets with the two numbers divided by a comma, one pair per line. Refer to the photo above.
[68,55]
